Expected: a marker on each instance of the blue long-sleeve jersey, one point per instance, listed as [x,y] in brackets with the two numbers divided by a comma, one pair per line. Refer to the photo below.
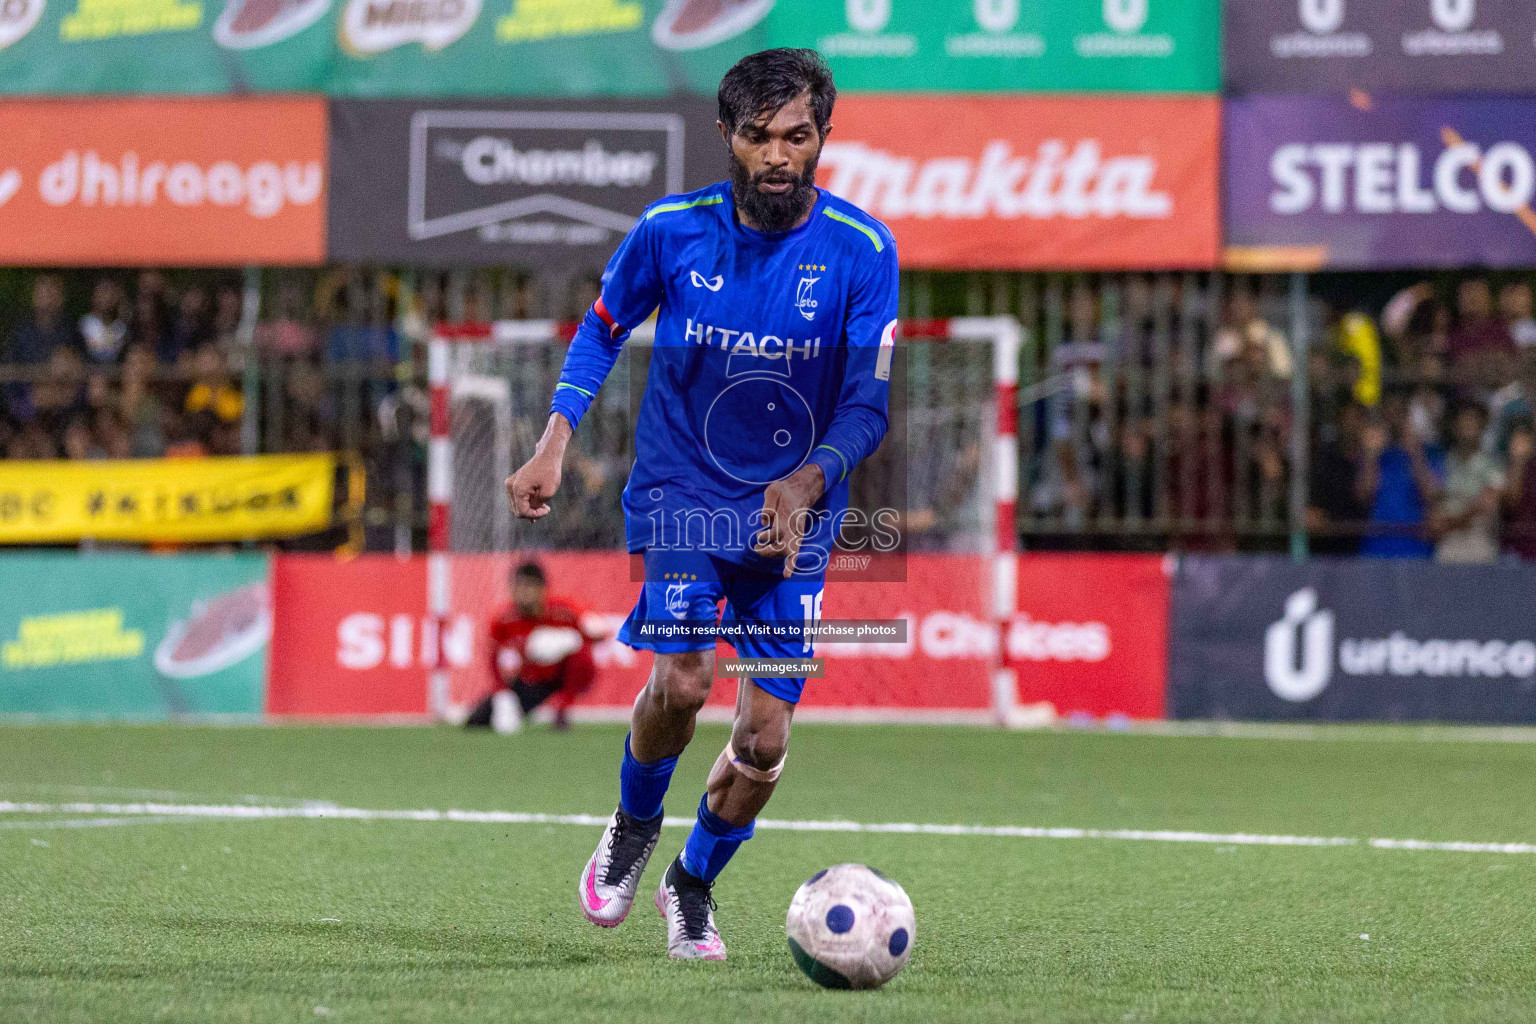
[772,350]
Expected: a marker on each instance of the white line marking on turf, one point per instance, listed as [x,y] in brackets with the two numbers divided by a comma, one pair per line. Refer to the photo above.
[157,819]
[317,811]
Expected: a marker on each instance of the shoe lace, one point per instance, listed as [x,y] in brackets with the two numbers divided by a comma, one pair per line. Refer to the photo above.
[694,904]
[629,843]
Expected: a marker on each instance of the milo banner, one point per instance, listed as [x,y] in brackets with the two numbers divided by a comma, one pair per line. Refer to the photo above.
[1383,182]
[1389,45]
[376,47]
[166,500]
[133,635]
[545,183]
[1352,640]
[1010,45]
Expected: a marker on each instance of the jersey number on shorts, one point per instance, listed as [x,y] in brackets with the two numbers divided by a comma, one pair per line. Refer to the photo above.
[811,605]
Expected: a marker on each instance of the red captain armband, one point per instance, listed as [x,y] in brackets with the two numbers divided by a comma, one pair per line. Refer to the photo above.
[614,330]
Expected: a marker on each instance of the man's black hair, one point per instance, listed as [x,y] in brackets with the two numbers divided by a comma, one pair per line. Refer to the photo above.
[530,571]
[760,83]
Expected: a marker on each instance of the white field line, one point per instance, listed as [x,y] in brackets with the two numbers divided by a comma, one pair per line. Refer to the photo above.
[148,819]
[327,811]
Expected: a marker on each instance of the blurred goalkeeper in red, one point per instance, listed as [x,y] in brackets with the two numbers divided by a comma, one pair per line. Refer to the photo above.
[541,650]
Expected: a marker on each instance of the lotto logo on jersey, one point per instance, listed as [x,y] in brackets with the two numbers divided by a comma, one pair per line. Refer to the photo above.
[805,298]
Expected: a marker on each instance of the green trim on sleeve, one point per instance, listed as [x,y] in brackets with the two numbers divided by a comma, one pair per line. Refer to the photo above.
[573,387]
[840,458]
[843,218]
[674,207]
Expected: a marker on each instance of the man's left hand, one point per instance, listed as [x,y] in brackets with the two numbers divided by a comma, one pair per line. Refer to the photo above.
[787,515]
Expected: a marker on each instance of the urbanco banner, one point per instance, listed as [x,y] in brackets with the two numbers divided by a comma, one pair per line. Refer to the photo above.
[133,636]
[1380,183]
[1352,640]
[1021,183]
[1009,45]
[542,183]
[179,182]
[1421,46]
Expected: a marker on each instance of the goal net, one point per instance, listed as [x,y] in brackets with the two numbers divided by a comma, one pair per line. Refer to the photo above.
[937,475]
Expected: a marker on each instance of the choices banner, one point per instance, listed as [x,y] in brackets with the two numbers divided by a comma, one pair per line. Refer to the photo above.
[543,182]
[376,47]
[1009,46]
[166,500]
[354,637]
[1390,45]
[1382,183]
[1015,183]
[187,182]
[1352,640]
[133,635]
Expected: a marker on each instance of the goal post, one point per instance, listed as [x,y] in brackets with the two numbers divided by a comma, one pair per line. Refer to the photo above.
[490,386]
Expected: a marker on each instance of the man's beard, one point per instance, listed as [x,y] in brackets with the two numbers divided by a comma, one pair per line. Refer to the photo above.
[773,211]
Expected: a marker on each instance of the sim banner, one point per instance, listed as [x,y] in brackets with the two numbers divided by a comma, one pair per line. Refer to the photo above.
[166,500]
[133,636]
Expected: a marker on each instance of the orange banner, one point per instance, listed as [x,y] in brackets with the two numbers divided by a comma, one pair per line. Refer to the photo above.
[1004,182]
[186,182]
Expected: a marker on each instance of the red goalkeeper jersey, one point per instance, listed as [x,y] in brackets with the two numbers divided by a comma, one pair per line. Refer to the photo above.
[535,648]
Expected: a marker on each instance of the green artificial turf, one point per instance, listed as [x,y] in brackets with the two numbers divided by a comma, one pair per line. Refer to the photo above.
[299,920]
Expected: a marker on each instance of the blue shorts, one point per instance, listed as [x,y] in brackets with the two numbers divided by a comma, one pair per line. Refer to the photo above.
[687,586]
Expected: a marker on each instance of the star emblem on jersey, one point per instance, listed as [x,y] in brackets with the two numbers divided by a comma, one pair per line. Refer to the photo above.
[805,300]
[714,284]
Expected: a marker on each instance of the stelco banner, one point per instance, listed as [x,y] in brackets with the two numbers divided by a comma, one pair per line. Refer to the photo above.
[376,47]
[1389,45]
[133,635]
[550,183]
[1009,45]
[1391,182]
[166,500]
[1011,183]
[185,182]
[1352,640]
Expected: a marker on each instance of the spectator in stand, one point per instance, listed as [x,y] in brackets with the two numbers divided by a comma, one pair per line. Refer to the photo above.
[1246,337]
[1477,330]
[141,411]
[1516,306]
[1334,508]
[61,393]
[213,404]
[1399,481]
[228,308]
[1466,519]
[192,329]
[1357,336]
[151,326]
[1520,493]
[33,343]
[105,328]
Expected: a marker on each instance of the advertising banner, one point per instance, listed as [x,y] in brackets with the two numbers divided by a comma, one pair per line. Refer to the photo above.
[181,182]
[1008,46]
[1013,183]
[1382,183]
[354,637]
[376,47]
[1352,640]
[166,500]
[120,636]
[1422,46]
[546,183]
[1091,634]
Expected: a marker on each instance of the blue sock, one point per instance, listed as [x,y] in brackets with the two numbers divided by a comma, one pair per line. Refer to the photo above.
[641,786]
[711,843]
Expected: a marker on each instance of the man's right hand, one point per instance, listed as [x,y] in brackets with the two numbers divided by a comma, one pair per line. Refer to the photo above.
[531,487]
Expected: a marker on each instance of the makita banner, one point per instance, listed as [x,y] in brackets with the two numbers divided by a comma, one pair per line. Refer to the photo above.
[538,183]
[1352,640]
[1010,183]
[1385,182]
[1388,45]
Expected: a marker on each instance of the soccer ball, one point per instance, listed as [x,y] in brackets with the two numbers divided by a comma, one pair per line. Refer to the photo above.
[850,927]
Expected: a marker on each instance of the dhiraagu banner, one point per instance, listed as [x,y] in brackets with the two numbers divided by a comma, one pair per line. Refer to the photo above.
[133,636]
[1009,45]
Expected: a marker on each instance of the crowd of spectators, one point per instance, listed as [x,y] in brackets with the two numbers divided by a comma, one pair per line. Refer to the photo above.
[141,374]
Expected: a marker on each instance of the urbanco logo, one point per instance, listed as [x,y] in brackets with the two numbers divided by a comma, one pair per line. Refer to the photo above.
[1306,629]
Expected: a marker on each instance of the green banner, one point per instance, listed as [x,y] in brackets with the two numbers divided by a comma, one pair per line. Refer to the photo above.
[133,636]
[1010,45]
[376,47]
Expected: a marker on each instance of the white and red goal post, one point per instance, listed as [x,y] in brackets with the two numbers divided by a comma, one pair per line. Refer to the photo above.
[457,358]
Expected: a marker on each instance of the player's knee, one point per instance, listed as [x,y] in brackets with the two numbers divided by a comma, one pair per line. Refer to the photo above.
[681,681]
[760,748]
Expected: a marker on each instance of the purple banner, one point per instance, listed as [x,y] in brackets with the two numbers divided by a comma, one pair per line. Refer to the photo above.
[1380,182]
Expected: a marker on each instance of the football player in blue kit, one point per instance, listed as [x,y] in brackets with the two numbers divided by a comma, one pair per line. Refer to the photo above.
[768,383]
